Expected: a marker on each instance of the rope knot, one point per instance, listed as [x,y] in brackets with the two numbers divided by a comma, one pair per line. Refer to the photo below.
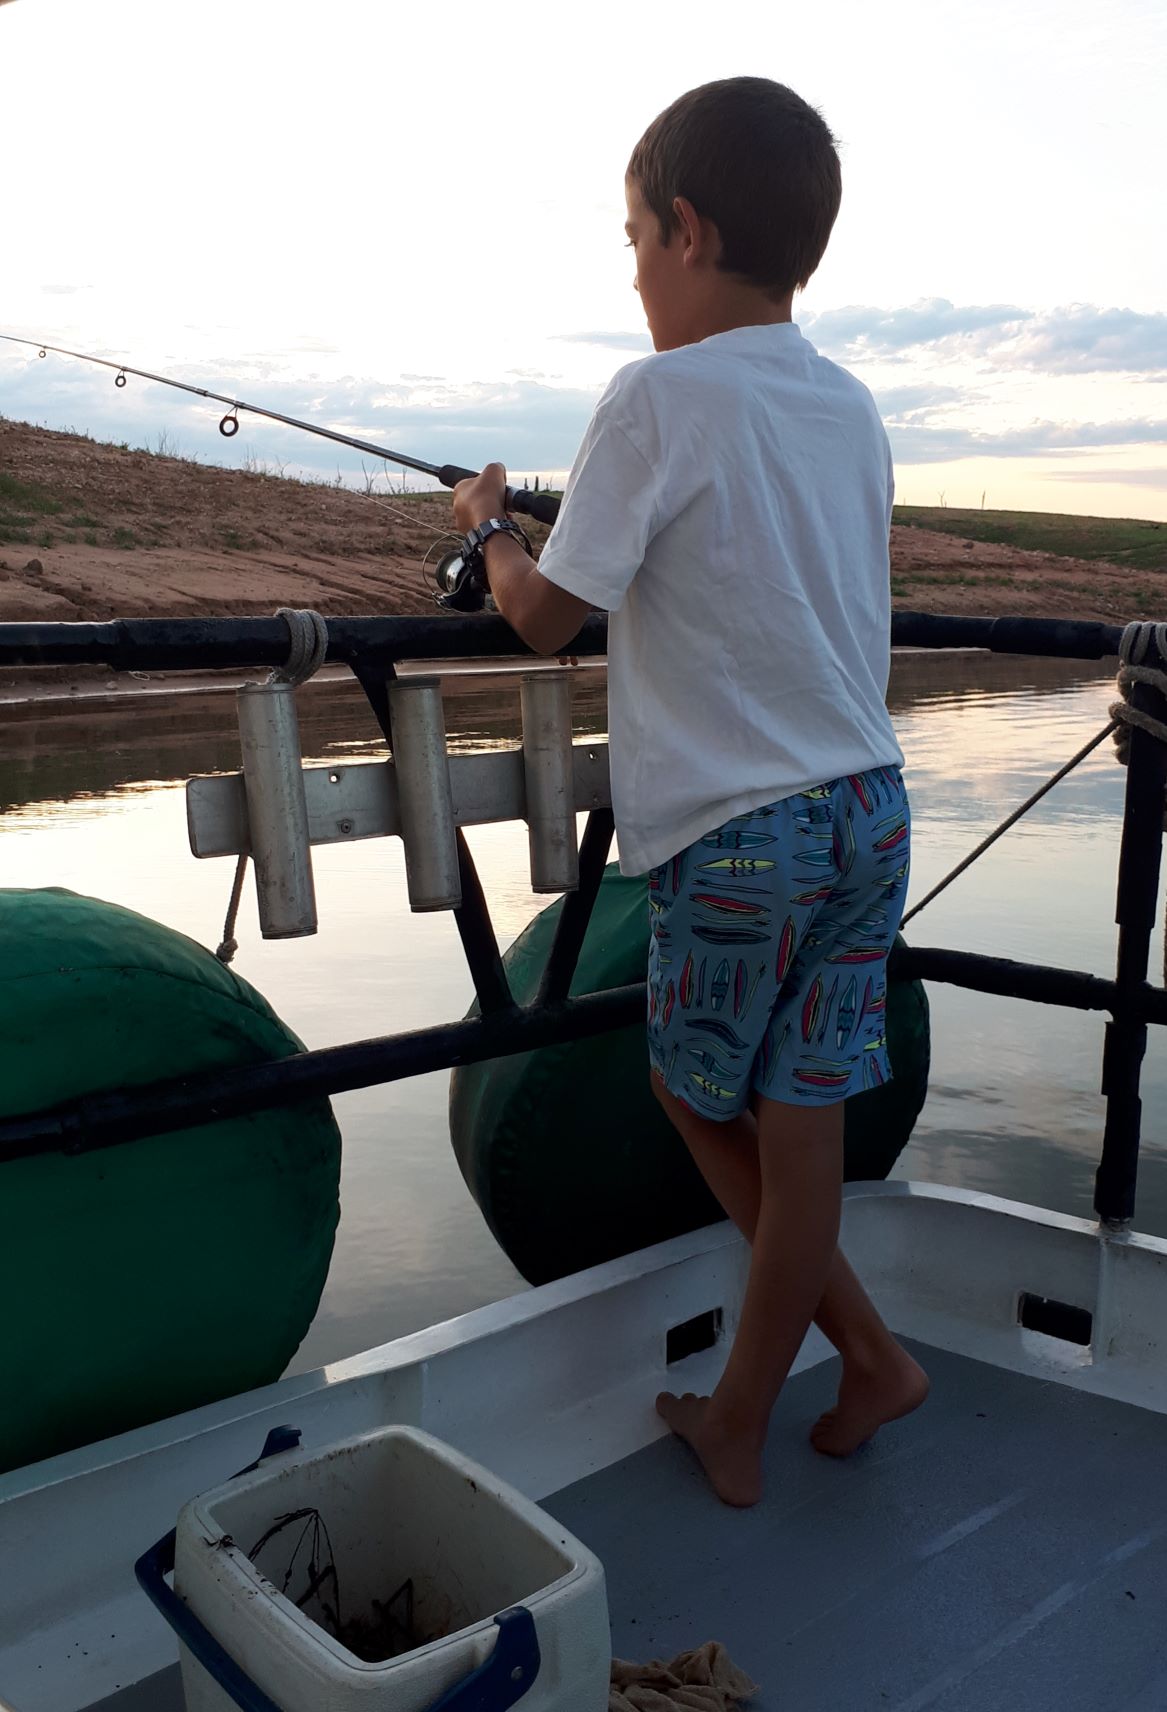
[1133,649]
[308,645]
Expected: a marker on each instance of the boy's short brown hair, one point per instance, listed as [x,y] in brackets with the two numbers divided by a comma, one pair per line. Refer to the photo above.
[758,161]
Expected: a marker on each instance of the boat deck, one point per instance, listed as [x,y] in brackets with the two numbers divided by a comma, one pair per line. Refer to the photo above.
[1006,1547]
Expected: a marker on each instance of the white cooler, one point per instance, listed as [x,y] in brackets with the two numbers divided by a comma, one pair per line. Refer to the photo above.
[418,1545]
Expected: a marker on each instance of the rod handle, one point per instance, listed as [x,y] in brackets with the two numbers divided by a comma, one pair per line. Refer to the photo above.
[544,507]
[451,474]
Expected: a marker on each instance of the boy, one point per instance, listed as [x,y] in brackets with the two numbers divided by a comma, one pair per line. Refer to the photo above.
[730,508]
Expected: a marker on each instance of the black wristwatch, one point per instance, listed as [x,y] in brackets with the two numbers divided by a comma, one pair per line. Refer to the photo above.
[475,539]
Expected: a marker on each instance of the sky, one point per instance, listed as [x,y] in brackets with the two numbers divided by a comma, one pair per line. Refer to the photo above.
[412,230]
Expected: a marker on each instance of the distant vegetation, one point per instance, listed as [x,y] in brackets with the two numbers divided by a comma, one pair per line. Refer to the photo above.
[1120,540]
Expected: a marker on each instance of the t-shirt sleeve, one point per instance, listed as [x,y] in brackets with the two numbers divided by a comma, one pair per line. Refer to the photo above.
[611,510]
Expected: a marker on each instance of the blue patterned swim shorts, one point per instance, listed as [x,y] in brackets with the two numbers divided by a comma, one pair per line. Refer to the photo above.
[768,957]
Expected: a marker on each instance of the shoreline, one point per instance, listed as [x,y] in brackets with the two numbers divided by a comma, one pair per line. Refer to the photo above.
[458,678]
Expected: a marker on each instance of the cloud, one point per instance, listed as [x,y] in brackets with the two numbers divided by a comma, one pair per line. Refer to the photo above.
[1156,479]
[904,401]
[613,341]
[861,330]
[917,442]
[310,342]
[1082,339]
[1078,338]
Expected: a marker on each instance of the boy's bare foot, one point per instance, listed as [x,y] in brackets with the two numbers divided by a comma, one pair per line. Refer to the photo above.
[868,1399]
[734,1466]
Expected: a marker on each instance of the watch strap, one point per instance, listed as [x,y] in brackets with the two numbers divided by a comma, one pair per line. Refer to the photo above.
[475,539]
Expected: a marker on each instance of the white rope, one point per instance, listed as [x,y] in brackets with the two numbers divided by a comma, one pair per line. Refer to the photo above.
[229,945]
[308,639]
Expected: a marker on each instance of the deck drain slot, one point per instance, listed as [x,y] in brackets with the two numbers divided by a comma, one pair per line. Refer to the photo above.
[1056,1319]
[692,1336]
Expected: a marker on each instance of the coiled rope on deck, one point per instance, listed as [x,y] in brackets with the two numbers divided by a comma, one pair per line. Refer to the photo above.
[307,650]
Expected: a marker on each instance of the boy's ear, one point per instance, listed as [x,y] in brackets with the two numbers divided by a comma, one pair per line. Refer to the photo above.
[700,239]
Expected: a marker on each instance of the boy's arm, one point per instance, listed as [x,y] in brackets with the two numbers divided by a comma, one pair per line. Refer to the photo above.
[543,614]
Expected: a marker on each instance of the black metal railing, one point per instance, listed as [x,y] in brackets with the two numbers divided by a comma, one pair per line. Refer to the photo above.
[371,648]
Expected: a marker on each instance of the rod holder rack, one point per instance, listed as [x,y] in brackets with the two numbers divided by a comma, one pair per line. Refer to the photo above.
[346,802]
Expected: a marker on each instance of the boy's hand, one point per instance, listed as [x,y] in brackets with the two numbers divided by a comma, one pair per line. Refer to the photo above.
[484,497]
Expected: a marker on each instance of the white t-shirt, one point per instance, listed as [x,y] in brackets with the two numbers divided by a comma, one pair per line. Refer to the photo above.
[730,507]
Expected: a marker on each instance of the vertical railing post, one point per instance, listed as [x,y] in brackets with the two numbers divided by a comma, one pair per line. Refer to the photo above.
[472,914]
[572,925]
[1135,911]
[479,941]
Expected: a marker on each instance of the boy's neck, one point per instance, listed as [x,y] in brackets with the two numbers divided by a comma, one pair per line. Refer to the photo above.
[732,306]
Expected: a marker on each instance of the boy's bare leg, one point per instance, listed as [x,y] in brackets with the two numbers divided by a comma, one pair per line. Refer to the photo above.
[795,1236]
[880,1381]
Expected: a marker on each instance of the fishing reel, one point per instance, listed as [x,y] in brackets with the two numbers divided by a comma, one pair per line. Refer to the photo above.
[461,574]
[461,585]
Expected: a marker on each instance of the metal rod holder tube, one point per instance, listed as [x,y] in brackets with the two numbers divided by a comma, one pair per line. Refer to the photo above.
[426,805]
[550,781]
[277,814]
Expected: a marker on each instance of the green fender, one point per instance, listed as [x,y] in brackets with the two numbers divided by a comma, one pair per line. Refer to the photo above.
[144,1278]
[566,1151]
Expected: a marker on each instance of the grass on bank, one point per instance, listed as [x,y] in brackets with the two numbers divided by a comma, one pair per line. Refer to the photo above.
[23,509]
[1120,540]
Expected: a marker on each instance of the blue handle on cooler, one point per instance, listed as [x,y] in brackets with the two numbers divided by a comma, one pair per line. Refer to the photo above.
[505,1676]
[493,1686]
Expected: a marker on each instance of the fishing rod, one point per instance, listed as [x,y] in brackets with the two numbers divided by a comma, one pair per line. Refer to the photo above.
[544,507]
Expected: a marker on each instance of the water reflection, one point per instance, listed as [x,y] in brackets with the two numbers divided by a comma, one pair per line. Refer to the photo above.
[62,752]
[91,799]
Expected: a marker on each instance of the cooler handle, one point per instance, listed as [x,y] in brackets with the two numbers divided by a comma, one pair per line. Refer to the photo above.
[155,1565]
[505,1676]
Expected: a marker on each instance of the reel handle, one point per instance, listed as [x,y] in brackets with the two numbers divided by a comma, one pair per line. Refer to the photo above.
[543,507]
